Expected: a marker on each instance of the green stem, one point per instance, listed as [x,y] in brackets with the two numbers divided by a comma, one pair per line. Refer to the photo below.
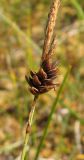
[79,9]
[51,113]
[25,147]
[26,140]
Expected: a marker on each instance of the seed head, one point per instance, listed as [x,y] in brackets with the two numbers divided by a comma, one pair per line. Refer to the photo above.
[43,80]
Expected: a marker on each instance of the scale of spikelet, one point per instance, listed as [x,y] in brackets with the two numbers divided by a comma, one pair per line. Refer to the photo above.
[43,80]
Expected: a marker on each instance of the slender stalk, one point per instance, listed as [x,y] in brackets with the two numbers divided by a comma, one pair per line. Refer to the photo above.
[79,9]
[25,146]
[51,114]
[28,128]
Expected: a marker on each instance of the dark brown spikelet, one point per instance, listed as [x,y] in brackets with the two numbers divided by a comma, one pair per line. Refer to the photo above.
[42,81]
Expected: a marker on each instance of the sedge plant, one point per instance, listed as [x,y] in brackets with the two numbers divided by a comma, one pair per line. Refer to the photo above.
[44,80]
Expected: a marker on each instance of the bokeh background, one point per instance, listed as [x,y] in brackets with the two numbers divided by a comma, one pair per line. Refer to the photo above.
[22,25]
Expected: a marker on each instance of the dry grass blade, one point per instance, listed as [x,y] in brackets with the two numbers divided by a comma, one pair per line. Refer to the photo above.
[50,27]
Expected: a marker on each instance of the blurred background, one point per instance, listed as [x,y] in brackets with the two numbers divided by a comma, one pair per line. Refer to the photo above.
[22,25]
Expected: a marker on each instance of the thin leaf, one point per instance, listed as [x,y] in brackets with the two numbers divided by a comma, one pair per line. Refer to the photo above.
[51,114]
[80,12]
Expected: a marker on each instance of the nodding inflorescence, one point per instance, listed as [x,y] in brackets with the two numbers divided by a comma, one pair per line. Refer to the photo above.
[43,80]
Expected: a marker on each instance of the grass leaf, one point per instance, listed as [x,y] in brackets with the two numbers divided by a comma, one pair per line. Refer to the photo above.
[80,12]
[51,114]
